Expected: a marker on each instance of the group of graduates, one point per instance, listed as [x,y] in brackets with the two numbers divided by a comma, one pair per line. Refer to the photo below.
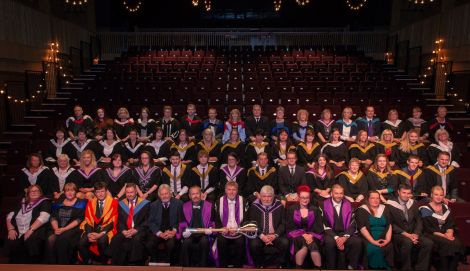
[344,194]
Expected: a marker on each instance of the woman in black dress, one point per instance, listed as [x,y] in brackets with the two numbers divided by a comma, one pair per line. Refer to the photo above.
[381,178]
[320,179]
[281,147]
[159,148]
[300,127]
[363,150]
[149,177]
[305,229]
[111,146]
[87,175]
[62,173]
[353,181]
[64,234]
[324,126]
[145,126]
[100,124]
[257,147]
[308,149]
[57,146]
[439,226]
[336,151]
[233,144]
[36,172]
[123,124]
[386,146]
[397,126]
[410,145]
[185,147]
[117,176]
[209,144]
[133,148]
[232,172]
[27,226]
[83,143]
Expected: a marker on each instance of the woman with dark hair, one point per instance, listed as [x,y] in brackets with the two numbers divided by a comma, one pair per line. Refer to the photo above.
[100,124]
[148,176]
[145,125]
[257,147]
[67,214]
[396,125]
[320,178]
[232,172]
[305,229]
[83,143]
[185,147]
[133,148]
[382,179]
[308,149]
[281,147]
[26,227]
[233,144]
[57,146]
[111,146]
[159,148]
[374,224]
[336,151]
[117,175]
[37,173]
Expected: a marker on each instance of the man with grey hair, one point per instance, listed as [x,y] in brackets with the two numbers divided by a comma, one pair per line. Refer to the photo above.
[163,224]
[271,245]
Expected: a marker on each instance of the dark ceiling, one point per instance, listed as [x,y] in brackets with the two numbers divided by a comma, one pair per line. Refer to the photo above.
[241,13]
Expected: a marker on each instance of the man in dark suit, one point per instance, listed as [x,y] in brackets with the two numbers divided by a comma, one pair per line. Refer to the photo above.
[178,176]
[290,177]
[268,213]
[128,247]
[407,231]
[256,122]
[163,224]
[371,124]
[340,238]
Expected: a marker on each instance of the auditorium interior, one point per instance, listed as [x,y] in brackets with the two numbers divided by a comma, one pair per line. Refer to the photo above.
[62,62]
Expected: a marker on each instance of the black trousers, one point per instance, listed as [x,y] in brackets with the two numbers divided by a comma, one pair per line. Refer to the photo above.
[405,250]
[154,241]
[84,248]
[352,252]
[227,245]
[197,245]
[60,249]
[264,255]
[128,250]
[25,251]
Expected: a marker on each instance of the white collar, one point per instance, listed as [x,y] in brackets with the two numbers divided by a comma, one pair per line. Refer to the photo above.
[379,212]
[393,124]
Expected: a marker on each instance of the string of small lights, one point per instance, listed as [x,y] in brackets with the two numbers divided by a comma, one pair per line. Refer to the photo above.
[436,57]
[421,2]
[132,7]
[76,2]
[15,100]
[277,5]
[356,5]
[302,2]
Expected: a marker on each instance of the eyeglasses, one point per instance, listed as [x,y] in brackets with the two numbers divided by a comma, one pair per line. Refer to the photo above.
[36,191]
[304,198]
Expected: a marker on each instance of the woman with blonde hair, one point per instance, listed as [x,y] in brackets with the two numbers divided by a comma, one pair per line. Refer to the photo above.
[210,145]
[300,127]
[443,143]
[439,226]
[123,124]
[234,122]
[396,125]
[381,178]
[62,173]
[387,146]
[410,145]
[279,123]
[346,126]
[87,175]
[26,226]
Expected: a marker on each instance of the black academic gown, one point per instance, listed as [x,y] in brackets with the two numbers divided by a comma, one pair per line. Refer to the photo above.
[353,187]
[43,177]
[255,181]
[131,250]
[307,156]
[227,148]
[116,183]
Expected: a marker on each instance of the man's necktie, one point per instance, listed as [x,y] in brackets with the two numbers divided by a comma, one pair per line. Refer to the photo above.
[100,209]
[370,128]
[130,218]
[266,221]
[174,181]
[292,172]
[405,211]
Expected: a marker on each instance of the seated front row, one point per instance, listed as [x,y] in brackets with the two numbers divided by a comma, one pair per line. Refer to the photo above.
[332,235]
